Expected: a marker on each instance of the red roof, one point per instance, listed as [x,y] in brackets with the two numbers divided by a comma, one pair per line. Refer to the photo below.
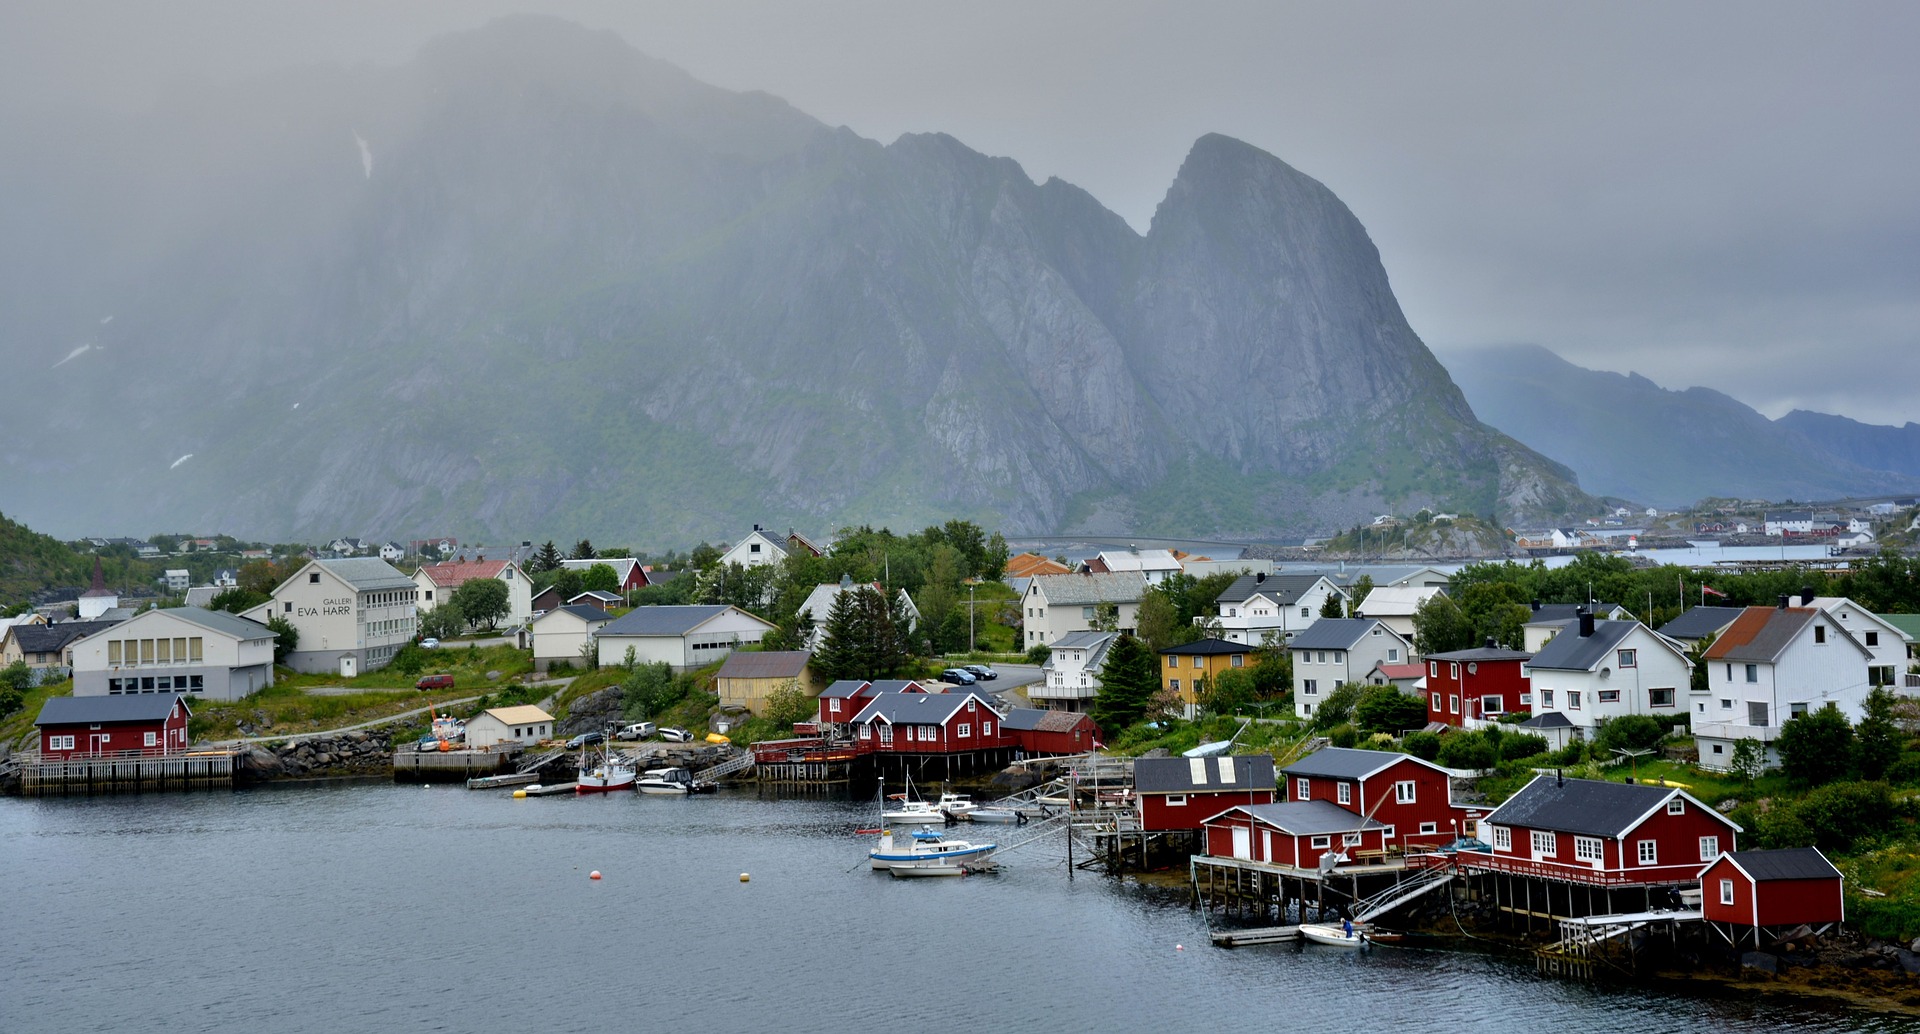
[1402,671]
[453,573]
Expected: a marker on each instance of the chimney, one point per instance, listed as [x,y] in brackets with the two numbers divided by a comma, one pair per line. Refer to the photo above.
[1490,643]
[1260,578]
[1806,595]
[1559,777]
[1586,622]
[1536,606]
[1784,600]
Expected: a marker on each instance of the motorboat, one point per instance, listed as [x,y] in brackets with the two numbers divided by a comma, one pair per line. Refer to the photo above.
[603,771]
[1018,816]
[671,780]
[949,807]
[1338,935]
[926,852]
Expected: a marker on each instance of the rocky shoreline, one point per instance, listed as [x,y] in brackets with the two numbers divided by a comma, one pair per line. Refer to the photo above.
[362,752]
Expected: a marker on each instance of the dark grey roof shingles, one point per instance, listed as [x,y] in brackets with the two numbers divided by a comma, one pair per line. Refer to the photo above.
[1343,763]
[1699,621]
[1310,818]
[1793,863]
[1175,775]
[1283,589]
[1591,807]
[663,620]
[136,707]
[1570,651]
[1332,634]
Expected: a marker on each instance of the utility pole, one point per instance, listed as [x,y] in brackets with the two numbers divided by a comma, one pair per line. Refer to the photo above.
[970,640]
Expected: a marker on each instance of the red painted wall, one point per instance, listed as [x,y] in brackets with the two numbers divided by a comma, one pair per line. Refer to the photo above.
[1782,902]
[1494,678]
[1676,847]
[1156,815]
[120,736]
[1432,802]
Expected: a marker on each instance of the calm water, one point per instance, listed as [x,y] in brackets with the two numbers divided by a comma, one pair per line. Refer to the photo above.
[385,908]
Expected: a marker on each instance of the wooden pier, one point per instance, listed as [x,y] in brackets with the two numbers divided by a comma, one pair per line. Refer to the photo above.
[124,772]
[436,766]
[496,781]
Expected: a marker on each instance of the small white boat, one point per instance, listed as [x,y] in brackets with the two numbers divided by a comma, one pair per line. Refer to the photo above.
[670,780]
[1339,936]
[949,806]
[928,853]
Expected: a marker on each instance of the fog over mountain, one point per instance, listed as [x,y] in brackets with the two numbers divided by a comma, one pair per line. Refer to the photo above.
[535,282]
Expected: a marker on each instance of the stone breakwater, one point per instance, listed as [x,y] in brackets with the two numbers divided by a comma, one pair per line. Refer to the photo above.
[361,752]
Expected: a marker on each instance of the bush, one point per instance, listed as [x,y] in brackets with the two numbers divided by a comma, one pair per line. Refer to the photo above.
[1338,706]
[1839,818]
[1386,709]
[1630,732]
[409,660]
[1522,745]
[10,701]
[1039,654]
[1423,745]
[1343,736]
[1467,750]
[1574,753]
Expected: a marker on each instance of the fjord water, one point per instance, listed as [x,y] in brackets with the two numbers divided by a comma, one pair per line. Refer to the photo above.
[403,908]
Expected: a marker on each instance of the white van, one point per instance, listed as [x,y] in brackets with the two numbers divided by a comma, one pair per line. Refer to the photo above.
[636,731]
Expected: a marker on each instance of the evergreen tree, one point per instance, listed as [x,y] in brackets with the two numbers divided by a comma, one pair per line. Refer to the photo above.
[1128,682]
[1816,748]
[1333,607]
[1877,741]
[547,559]
[583,550]
[833,659]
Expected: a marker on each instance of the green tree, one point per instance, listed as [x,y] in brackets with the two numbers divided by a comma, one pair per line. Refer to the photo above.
[286,638]
[994,564]
[1128,681]
[1816,748]
[600,578]
[1160,622]
[483,601]
[1386,709]
[1361,587]
[236,600]
[583,550]
[568,583]
[862,638]
[1337,707]
[1440,626]
[17,676]
[1227,692]
[1468,750]
[789,704]
[1697,678]
[1106,617]
[939,597]
[1333,607]
[261,577]
[1877,740]
[547,559]
[444,621]
[1630,732]
[649,690]
[1423,745]
[1749,759]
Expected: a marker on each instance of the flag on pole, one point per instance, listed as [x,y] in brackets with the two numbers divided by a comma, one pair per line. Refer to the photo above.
[1711,591]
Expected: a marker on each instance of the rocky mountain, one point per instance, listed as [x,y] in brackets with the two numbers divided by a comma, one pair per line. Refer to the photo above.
[535,282]
[1875,446]
[1627,437]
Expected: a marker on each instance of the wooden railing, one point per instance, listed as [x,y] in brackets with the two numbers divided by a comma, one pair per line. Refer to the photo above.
[1637,877]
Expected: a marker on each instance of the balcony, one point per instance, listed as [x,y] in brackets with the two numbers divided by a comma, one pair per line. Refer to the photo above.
[1736,731]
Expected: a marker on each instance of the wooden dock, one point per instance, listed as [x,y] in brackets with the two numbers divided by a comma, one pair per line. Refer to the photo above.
[427,766]
[546,789]
[1263,935]
[494,782]
[124,772]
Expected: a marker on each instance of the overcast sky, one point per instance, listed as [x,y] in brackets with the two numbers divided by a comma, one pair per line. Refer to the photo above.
[1714,194]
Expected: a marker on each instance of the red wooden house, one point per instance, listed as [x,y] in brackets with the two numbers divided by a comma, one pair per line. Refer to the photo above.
[1183,793]
[1602,834]
[1292,833]
[1411,798]
[1470,687]
[842,700]
[930,723]
[127,724]
[1750,893]
[1037,731]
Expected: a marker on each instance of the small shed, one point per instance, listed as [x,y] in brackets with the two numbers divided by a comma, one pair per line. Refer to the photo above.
[113,725]
[1039,731]
[525,724]
[1300,834]
[1750,895]
[749,679]
[1181,793]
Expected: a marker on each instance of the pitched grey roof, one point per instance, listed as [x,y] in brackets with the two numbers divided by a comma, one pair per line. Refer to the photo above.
[1793,863]
[917,708]
[366,573]
[54,638]
[1176,775]
[222,622]
[1333,634]
[1066,590]
[1547,720]
[201,595]
[1591,807]
[844,687]
[589,614]
[1039,719]
[1345,763]
[663,620]
[1570,651]
[1699,622]
[1547,612]
[764,664]
[1095,643]
[1284,589]
[1309,818]
[132,707]
[1210,647]
[1481,653]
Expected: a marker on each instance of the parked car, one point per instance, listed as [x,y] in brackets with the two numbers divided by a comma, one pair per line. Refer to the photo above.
[672,735]
[429,643]
[958,676]
[585,739]
[434,682]
[982,672]
[637,731]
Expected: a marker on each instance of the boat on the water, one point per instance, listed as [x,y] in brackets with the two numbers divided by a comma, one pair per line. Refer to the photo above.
[926,852]
[1335,934]
[671,781]
[603,771]
[949,807]
[1013,815]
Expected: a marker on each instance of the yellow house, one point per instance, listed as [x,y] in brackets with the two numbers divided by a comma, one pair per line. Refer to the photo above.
[748,679]
[1183,668]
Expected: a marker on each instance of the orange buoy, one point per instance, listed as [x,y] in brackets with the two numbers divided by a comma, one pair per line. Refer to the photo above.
[594,875]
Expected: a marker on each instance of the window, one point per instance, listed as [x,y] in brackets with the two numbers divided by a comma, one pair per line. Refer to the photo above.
[1176,800]
[1649,853]
[1587,849]
[1453,670]
[1573,700]
[1376,631]
[1309,687]
[1453,703]
[1086,613]
[1173,684]
[1709,848]
[965,729]
[1546,698]
[1239,660]
[1676,807]
[1346,793]
[1429,827]
[1306,612]
[1393,654]
[1719,749]
[1726,704]
[1502,838]
[1433,669]
[1320,842]
[1173,660]
[1349,840]
[1323,657]
[833,706]
[753,547]
[314,578]
[1819,634]
[1404,791]
[152,739]
[1436,703]
[1626,658]
[1526,699]
[986,729]
[1756,712]
[1659,698]
[1753,672]
[1303,789]
[1339,657]
[1726,892]
[1543,844]
[1609,696]
[113,651]
[1491,705]
[1873,639]
[60,742]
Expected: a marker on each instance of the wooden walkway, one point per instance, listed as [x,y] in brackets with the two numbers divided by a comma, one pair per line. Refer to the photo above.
[128,772]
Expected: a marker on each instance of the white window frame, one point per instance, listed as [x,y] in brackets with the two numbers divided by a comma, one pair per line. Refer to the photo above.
[152,739]
[1429,827]
[1544,843]
[1709,848]
[1648,851]
[1176,800]
[1726,892]
[1351,839]
[1302,789]
[1676,807]
[1502,838]
[1320,842]
[1588,849]
[964,729]
[1406,791]
[60,742]
[1346,792]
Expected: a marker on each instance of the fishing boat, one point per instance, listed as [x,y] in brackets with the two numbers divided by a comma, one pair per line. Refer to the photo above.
[1017,815]
[949,807]
[671,781]
[928,853]
[603,771]
[1335,934]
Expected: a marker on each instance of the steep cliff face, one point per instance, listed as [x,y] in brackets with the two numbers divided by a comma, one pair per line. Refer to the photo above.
[1874,446]
[535,281]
